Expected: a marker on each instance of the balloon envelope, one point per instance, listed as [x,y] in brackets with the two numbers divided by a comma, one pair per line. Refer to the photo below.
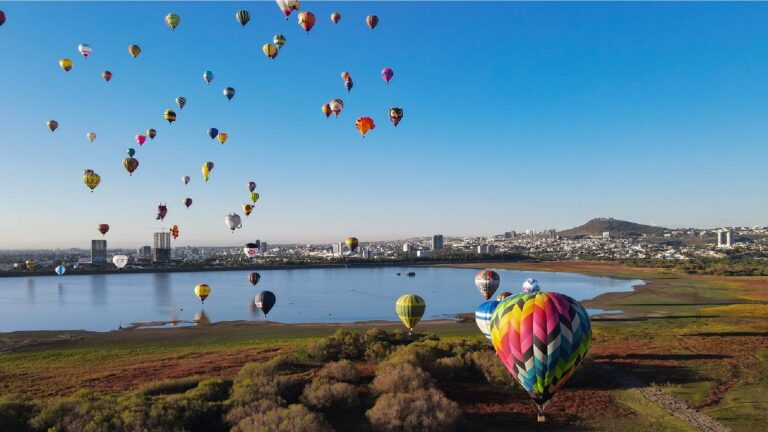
[52,125]
[66,64]
[202,291]
[85,50]
[107,75]
[243,16]
[207,168]
[120,261]
[307,20]
[251,186]
[265,300]
[233,221]
[352,243]
[531,285]
[483,317]
[60,270]
[387,74]
[372,21]
[487,282]
[254,278]
[251,249]
[410,308]
[151,133]
[208,76]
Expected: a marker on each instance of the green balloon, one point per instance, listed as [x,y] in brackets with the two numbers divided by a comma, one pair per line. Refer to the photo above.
[131,152]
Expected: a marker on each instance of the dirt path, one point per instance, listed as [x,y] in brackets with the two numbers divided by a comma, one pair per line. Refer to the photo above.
[673,405]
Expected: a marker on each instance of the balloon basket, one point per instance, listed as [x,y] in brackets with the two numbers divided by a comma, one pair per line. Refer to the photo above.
[541,418]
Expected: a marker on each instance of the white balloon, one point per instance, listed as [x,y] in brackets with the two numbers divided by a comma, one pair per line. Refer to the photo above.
[531,286]
[233,221]
[85,50]
[120,261]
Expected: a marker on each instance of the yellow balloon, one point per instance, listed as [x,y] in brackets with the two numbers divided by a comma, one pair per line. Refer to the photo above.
[91,179]
[207,167]
[222,137]
[270,50]
[202,291]
[66,64]
[254,197]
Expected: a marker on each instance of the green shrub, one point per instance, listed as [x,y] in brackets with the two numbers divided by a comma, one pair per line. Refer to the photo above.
[169,386]
[492,368]
[15,413]
[423,410]
[343,344]
[400,378]
[295,418]
[85,411]
[342,370]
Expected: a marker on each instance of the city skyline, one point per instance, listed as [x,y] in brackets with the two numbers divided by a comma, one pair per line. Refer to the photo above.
[544,123]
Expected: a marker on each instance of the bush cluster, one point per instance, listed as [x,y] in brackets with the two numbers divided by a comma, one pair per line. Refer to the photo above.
[375,345]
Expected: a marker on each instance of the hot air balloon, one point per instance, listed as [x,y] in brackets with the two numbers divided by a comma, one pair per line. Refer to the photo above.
[172,21]
[134,50]
[326,108]
[130,164]
[336,106]
[169,115]
[265,300]
[91,136]
[52,125]
[91,179]
[541,338]
[487,282]
[387,74]
[503,295]
[202,291]
[31,264]
[531,286]
[251,186]
[207,168]
[279,40]
[213,132]
[151,133]
[229,92]
[222,137]
[162,210]
[120,261]
[233,221]
[185,179]
[131,152]
[103,228]
[107,75]
[372,21]
[254,197]
[140,139]
[348,84]
[335,17]
[208,76]
[243,16]
[251,249]
[181,101]
[270,50]
[175,232]
[254,278]
[364,124]
[345,76]
[247,209]
[352,243]
[307,20]
[287,6]
[66,64]
[85,50]
[410,308]
[395,115]
[483,317]
[60,270]
[187,202]
[2,18]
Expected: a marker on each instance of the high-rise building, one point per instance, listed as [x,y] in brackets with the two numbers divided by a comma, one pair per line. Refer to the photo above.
[144,251]
[486,249]
[338,249]
[263,247]
[406,247]
[162,250]
[366,253]
[725,238]
[98,251]
[437,242]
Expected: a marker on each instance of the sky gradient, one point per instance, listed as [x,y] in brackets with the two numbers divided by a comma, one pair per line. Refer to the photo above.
[517,116]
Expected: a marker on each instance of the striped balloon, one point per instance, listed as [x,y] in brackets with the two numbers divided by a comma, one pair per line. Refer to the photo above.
[541,338]
[243,16]
[181,101]
[172,21]
[483,317]
[410,308]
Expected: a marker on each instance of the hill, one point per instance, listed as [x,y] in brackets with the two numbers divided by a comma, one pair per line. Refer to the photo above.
[617,228]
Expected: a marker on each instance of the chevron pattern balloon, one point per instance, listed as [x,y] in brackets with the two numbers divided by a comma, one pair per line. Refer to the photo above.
[483,317]
[541,338]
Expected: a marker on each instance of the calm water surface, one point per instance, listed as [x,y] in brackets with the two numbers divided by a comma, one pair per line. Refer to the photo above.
[104,302]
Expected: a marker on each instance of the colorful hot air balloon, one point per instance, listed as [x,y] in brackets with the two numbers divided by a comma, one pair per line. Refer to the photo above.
[387,74]
[103,229]
[279,40]
[169,115]
[181,101]
[130,164]
[208,77]
[531,285]
[202,291]
[213,132]
[483,316]
[140,139]
[372,21]
[247,209]
[287,6]
[185,179]
[207,168]
[352,243]
[91,179]
[174,231]
[162,210]
[60,270]
[410,308]
[395,115]
[254,278]
[107,75]
[348,84]
[307,20]
[541,338]
[243,16]
[251,249]
[120,261]
[335,17]
[31,264]
[91,136]
[172,21]
[251,186]
[151,133]
[85,50]
[264,301]
[222,137]
[66,64]
[131,152]
[2,18]
[254,197]
[326,109]
[336,106]
[345,76]
[364,124]
[487,282]
[52,125]
[134,50]
[187,202]
[233,221]
[270,50]
[503,295]
[229,92]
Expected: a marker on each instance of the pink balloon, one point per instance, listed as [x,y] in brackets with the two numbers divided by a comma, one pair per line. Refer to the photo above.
[387,74]
[140,139]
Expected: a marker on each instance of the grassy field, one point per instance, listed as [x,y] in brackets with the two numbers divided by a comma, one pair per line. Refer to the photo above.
[701,338]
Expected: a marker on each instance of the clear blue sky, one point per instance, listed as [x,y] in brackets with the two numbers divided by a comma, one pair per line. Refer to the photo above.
[517,116]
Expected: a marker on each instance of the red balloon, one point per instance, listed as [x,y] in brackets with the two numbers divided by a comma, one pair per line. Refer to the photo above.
[103,229]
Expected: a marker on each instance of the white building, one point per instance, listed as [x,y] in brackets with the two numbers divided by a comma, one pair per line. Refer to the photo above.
[422,253]
[406,247]
[606,234]
[338,249]
[486,249]
[725,238]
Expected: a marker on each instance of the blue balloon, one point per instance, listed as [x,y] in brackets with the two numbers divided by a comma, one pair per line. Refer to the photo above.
[208,76]
[483,316]
[348,85]
[60,270]
[213,132]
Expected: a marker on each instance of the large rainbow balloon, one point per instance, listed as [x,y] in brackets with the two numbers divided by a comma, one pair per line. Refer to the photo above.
[541,338]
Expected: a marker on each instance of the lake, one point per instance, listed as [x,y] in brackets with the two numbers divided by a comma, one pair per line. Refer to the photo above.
[105,302]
